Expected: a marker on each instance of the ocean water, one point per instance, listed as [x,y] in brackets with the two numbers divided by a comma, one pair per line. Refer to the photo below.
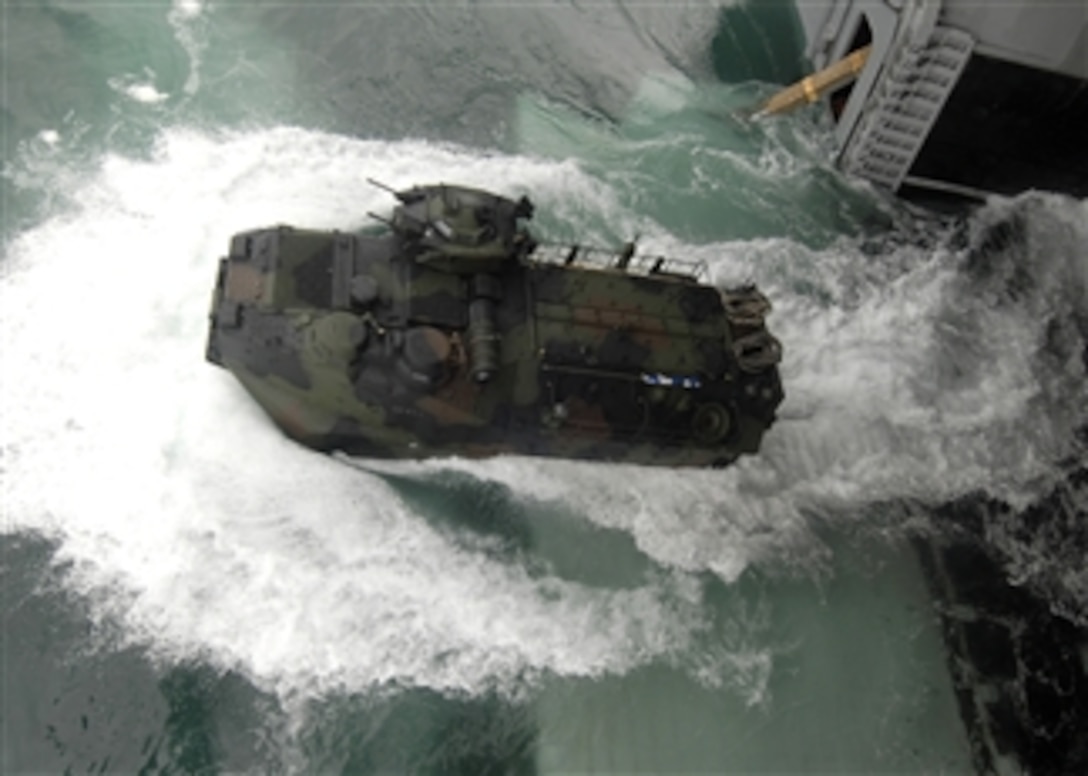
[185,591]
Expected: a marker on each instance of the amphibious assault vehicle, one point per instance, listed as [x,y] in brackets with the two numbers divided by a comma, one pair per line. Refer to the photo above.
[450,331]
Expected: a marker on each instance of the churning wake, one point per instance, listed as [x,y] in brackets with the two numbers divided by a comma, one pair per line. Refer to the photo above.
[182,517]
[940,370]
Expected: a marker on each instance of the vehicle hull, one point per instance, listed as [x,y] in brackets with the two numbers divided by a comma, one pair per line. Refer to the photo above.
[381,347]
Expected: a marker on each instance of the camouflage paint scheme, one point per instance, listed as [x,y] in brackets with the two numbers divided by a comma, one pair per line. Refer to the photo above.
[454,333]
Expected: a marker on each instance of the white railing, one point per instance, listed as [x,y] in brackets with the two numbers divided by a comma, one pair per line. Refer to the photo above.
[622,261]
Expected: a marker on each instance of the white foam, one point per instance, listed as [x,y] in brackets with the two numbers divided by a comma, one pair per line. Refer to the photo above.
[185,17]
[188,8]
[139,90]
[905,382]
[187,519]
[193,524]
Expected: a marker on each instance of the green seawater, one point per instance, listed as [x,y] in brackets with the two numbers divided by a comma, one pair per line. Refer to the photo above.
[184,591]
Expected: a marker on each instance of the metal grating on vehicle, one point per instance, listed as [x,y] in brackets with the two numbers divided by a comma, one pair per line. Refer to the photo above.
[600,258]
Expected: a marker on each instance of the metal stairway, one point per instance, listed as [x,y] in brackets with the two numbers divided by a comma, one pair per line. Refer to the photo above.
[907,105]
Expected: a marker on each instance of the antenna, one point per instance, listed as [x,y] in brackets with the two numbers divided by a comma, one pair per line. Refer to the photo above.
[402,196]
[382,186]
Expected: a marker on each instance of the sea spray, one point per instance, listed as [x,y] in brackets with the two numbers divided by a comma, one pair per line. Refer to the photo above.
[188,522]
